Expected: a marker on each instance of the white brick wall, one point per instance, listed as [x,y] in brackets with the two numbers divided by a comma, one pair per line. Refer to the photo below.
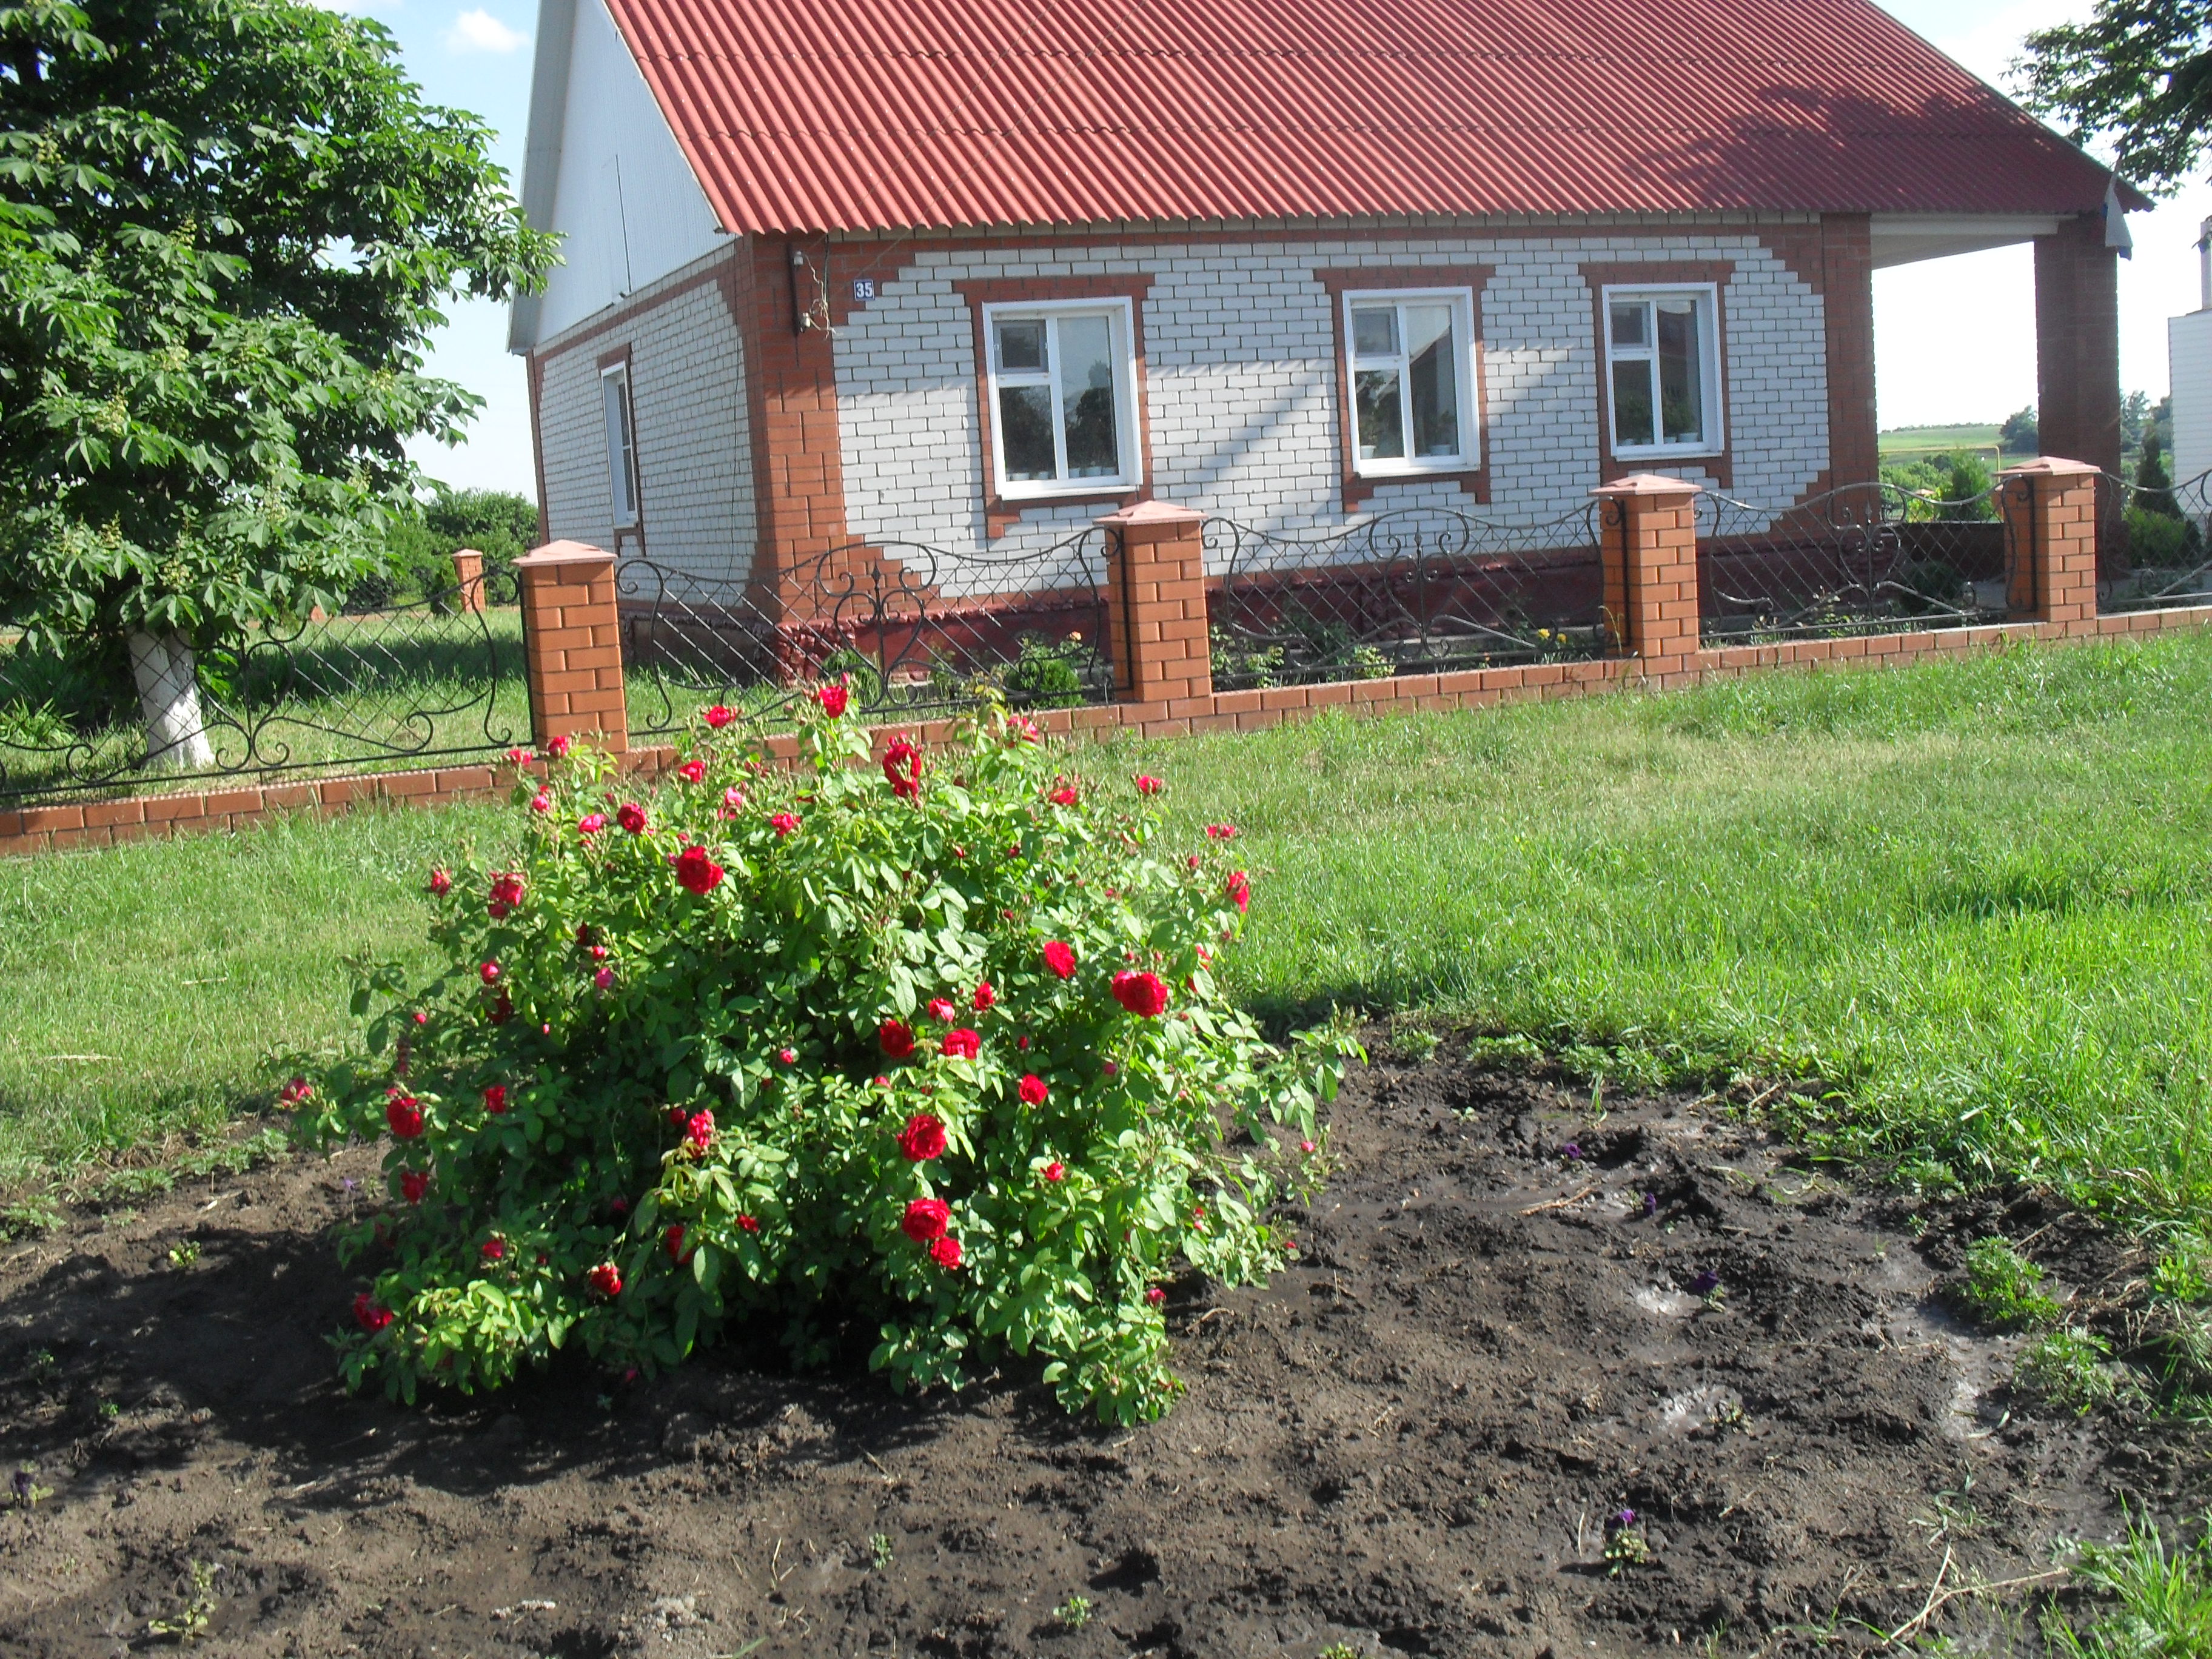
[1242,390]
[694,440]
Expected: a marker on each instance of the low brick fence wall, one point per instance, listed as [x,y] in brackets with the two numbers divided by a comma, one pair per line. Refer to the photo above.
[1163,667]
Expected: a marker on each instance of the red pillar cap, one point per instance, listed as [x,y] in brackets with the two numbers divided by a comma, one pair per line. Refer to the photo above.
[1649,483]
[1153,513]
[564,553]
[2049,466]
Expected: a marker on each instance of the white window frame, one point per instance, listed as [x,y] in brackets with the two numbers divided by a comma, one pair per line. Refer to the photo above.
[622,458]
[1716,412]
[1121,320]
[1470,458]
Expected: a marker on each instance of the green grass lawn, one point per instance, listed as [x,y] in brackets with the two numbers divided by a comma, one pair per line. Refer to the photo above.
[1970,897]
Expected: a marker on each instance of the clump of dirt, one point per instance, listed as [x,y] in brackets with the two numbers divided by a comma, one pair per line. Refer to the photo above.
[1547,1379]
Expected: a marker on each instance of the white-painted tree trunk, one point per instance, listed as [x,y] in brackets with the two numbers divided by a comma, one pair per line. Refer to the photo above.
[169,701]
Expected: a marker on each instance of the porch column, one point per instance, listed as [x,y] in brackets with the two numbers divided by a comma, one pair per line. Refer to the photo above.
[2077,343]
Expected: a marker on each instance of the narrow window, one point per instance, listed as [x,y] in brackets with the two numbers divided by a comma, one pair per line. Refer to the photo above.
[1412,378]
[622,446]
[1062,387]
[1663,356]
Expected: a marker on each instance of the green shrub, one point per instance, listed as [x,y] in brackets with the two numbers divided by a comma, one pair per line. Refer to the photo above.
[2068,1368]
[2159,540]
[1048,673]
[2003,1289]
[935,1045]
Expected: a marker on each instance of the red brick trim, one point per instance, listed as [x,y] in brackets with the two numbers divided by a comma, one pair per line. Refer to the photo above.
[1337,281]
[1720,467]
[1000,514]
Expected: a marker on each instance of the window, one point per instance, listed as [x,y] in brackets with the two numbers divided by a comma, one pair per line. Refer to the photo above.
[622,446]
[1662,353]
[1063,397]
[1412,377]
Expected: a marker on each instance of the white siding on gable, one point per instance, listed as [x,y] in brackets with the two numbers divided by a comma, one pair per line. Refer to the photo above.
[626,202]
[1240,381]
[2188,353]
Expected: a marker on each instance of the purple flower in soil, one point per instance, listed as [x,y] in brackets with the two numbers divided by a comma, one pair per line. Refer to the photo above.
[22,1485]
[1650,1205]
[1620,1520]
[349,1182]
[1706,1283]
[1572,1152]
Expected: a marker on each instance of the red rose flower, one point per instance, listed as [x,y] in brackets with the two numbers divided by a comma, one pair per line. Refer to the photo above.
[413,1183]
[520,757]
[922,1139]
[1221,832]
[1142,994]
[591,824]
[1156,1296]
[672,1242]
[1034,1093]
[604,979]
[985,995]
[783,823]
[488,972]
[941,1010]
[700,1131]
[733,802]
[1055,1170]
[1239,891]
[1059,959]
[492,1249]
[297,1092]
[692,770]
[749,1223]
[963,1044]
[699,873]
[903,769]
[495,1098]
[631,816]
[507,891]
[945,1253]
[1064,795]
[787,1056]
[371,1316]
[832,698]
[1307,1147]
[606,1278]
[719,716]
[677,1117]
[896,1037]
[926,1219]
[405,1114]
[1147,785]
[441,882]
[557,747]
[503,1010]
[541,802]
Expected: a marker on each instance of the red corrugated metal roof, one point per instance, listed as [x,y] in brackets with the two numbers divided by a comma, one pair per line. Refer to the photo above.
[804,115]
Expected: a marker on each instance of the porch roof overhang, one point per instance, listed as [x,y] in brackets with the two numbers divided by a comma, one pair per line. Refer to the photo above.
[1904,238]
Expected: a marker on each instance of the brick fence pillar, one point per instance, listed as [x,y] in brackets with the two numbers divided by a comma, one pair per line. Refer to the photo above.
[572,642]
[1156,605]
[1648,533]
[468,576]
[2050,539]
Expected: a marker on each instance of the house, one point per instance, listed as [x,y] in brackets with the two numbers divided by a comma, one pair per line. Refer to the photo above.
[971,273]
[2188,367]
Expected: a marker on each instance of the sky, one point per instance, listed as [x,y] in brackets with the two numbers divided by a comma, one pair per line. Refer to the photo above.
[1954,339]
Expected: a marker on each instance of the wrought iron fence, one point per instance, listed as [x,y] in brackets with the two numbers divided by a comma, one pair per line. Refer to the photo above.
[915,631]
[1869,558]
[2154,546]
[1415,591]
[359,691]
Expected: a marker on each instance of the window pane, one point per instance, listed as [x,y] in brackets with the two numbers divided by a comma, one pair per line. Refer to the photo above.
[1681,372]
[1382,427]
[1086,387]
[1433,379]
[1631,403]
[616,392]
[1628,324]
[1375,330]
[1021,348]
[1026,433]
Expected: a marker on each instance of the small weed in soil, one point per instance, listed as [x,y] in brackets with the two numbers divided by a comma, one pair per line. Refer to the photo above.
[2004,1289]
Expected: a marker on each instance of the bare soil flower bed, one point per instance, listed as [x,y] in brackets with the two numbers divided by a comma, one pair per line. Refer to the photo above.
[1493,1409]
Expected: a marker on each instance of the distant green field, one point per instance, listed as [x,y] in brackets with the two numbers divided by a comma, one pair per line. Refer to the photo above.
[1906,443]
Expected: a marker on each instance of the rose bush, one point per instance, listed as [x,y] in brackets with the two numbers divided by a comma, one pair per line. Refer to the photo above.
[933,1042]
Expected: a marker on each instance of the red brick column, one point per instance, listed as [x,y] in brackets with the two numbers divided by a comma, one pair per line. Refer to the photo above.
[2051,540]
[2077,343]
[572,640]
[1156,604]
[1648,532]
[468,574]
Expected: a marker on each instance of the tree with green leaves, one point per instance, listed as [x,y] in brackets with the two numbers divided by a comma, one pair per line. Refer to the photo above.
[226,229]
[2138,73]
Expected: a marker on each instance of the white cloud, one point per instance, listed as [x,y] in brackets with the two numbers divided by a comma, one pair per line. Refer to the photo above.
[479,31]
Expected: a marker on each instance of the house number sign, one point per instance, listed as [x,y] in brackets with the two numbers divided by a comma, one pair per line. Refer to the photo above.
[864,289]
